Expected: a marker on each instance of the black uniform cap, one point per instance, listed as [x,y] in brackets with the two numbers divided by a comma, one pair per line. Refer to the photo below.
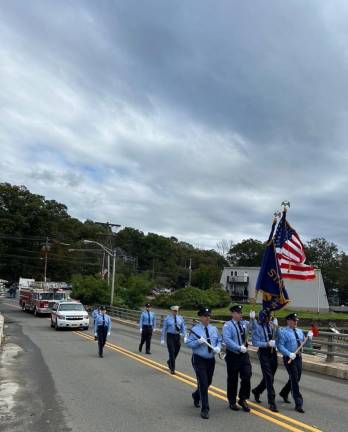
[236,308]
[204,311]
[292,316]
[102,307]
[148,305]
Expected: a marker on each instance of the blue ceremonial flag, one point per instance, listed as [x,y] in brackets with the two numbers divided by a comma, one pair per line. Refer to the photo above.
[270,280]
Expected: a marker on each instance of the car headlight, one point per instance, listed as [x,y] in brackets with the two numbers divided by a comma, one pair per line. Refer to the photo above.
[62,317]
[86,316]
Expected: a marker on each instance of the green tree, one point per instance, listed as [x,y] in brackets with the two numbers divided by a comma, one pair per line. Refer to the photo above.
[135,289]
[247,253]
[90,290]
[206,276]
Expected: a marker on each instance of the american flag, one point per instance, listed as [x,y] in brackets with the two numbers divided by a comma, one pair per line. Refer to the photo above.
[290,253]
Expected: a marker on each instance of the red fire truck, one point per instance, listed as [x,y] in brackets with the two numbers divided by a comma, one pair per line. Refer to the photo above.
[39,298]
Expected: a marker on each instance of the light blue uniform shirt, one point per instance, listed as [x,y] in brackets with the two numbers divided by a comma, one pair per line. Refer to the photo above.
[169,325]
[260,334]
[202,349]
[99,322]
[95,313]
[231,335]
[286,342]
[147,318]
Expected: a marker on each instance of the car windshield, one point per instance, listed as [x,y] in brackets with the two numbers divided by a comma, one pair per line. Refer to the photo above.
[58,296]
[72,306]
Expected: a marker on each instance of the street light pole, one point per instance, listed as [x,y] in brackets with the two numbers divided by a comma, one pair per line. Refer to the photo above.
[113,277]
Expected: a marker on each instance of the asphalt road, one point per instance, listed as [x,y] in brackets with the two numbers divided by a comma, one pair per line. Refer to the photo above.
[54,381]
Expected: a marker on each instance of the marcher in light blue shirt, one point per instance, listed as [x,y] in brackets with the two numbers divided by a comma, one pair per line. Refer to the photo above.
[147,324]
[235,337]
[289,341]
[102,329]
[147,318]
[203,358]
[264,333]
[173,325]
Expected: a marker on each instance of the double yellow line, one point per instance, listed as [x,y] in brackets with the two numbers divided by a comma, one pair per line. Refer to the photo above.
[281,420]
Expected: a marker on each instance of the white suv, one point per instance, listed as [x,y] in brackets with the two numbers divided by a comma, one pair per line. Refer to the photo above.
[69,314]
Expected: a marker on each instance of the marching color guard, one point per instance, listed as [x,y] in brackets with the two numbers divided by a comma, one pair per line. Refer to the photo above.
[173,325]
[147,324]
[235,337]
[290,342]
[205,341]
[102,329]
[263,337]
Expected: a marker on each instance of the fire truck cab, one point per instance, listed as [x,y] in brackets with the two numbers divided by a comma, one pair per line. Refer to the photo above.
[40,300]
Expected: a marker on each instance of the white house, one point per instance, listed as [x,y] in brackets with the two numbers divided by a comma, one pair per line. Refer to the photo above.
[240,283]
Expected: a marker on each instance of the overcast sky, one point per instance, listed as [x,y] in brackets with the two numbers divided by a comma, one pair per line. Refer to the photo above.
[187,118]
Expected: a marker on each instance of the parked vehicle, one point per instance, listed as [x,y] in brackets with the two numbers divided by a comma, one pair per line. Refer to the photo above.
[69,314]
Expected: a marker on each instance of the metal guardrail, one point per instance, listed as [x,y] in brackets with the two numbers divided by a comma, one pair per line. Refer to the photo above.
[332,341]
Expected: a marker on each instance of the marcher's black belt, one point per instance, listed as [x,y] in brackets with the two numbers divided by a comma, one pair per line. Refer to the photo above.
[147,325]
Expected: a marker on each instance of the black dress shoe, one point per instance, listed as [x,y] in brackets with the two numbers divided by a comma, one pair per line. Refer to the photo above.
[244,405]
[285,398]
[205,415]
[195,402]
[234,407]
[299,409]
[256,396]
[148,352]
[273,407]
[140,348]
[101,355]
[172,371]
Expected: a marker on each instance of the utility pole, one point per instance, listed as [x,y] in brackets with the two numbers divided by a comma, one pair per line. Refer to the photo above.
[190,272]
[46,246]
[108,270]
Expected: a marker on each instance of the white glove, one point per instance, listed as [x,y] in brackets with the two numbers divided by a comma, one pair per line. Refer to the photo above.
[109,334]
[310,334]
[252,315]
[201,340]
[141,330]
[95,334]
[162,341]
[243,349]
[185,339]
[292,356]
[272,343]
[275,322]
[217,350]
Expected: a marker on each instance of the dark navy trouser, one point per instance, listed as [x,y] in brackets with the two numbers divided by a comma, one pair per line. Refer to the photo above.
[204,369]
[294,370]
[102,332]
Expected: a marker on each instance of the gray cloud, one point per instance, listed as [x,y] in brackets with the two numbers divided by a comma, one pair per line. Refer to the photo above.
[193,119]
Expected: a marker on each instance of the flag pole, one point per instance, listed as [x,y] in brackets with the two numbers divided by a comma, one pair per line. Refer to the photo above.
[276,214]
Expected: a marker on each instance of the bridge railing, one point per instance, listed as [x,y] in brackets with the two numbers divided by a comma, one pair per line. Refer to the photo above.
[327,344]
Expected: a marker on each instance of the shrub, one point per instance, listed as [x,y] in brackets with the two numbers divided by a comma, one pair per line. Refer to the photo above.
[192,298]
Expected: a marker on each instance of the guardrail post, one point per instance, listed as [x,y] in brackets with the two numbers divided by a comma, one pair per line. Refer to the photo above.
[330,349]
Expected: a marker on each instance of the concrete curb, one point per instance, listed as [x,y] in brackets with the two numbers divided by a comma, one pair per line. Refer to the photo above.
[1,328]
[336,370]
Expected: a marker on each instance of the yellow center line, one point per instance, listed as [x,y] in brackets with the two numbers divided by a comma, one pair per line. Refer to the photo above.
[223,392]
[214,391]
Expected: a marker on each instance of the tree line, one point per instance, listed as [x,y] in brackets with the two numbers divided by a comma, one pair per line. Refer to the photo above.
[32,227]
